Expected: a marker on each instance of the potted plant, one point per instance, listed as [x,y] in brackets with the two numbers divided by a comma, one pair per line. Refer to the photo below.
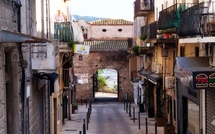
[143,37]
[71,44]
[135,49]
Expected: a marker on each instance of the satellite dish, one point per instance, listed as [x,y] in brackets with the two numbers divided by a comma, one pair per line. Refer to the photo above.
[83,25]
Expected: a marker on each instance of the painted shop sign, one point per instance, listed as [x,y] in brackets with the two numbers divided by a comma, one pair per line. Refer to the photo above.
[203,80]
[81,49]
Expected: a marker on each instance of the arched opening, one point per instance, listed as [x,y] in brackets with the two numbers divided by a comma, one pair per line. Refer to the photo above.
[105,85]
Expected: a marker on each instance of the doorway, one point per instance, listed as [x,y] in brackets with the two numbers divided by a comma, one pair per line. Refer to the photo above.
[105,85]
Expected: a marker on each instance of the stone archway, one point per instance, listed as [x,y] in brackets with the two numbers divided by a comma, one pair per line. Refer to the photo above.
[85,68]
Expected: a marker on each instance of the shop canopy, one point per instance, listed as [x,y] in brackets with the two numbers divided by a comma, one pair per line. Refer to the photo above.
[150,76]
[16,37]
[195,72]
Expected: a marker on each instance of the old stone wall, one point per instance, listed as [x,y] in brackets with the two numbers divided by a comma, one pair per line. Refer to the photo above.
[9,81]
[116,60]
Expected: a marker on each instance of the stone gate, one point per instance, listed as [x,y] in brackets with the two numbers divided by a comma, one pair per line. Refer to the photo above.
[106,55]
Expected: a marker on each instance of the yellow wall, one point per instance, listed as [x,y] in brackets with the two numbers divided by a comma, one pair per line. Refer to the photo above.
[132,65]
[190,49]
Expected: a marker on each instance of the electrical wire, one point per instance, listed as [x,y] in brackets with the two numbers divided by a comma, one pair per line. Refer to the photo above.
[194,52]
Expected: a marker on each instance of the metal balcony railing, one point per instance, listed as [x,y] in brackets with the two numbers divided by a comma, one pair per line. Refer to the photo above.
[66,78]
[63,31]
[143,7]
[170,17]
[198,20]
[153,30]
[144,30]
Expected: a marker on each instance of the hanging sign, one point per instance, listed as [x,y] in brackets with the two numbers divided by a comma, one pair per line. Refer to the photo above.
[81,49]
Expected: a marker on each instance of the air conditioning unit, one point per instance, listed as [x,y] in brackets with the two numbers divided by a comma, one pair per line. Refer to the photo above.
[169,82]
[158,69]
[211,54]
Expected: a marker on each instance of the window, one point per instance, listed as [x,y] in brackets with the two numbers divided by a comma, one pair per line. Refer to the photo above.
[104,30]
[197,51]
[120,30]
[182,51]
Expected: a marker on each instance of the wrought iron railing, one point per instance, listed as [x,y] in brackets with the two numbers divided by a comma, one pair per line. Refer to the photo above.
[143,7]
[198,20]
[153,30]
[63,31]
[66,78]
[169,17]
[144,30]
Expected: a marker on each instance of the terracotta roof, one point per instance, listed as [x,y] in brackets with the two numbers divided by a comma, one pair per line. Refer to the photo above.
[111,22]
[107,45]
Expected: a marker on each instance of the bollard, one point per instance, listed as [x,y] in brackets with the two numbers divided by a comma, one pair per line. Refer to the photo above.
[156,131]
[88,116]
[124,105]
[79,132]
[134,114]
[81,101]
[139,119]
[129,109]
[146,126]
[89,112]
[84,127]
[86,103]
[87,120]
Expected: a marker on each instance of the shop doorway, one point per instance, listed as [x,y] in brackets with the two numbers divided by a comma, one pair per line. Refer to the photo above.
[105,85]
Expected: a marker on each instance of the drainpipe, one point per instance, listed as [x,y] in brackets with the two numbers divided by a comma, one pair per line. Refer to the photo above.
[23,93]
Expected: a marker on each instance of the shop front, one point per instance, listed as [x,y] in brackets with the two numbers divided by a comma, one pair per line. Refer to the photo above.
[193,75]
[153,93]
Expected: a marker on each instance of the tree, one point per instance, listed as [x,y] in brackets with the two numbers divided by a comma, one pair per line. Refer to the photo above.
[101,80]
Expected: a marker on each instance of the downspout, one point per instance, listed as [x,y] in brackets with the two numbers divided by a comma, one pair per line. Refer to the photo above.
[51,83]
[47,19]
[22,90]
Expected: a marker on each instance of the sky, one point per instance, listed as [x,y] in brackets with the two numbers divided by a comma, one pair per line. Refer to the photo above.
[115,9]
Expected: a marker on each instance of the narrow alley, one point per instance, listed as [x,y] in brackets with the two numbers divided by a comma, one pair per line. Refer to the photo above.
[109,117]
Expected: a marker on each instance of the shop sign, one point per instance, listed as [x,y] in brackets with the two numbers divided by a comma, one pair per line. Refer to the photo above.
[82,78]
[81,49]
[203,80]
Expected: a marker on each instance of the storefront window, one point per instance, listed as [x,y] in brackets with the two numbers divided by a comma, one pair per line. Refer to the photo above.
[193,117]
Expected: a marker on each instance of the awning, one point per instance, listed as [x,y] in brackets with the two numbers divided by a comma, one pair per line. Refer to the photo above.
[52,77]
[49,76]
[150,76]
[144,73]
[154,78]
[195,72]
[15,37]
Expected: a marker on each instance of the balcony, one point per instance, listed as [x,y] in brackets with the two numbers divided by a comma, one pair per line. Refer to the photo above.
[144,30]
[198,20]
[143,7]
[153,30]
[45,56]
[63,31]
[66,78]
[68,34]
[169,18]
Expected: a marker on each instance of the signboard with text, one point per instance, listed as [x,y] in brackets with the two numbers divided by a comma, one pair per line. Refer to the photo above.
[81,49]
